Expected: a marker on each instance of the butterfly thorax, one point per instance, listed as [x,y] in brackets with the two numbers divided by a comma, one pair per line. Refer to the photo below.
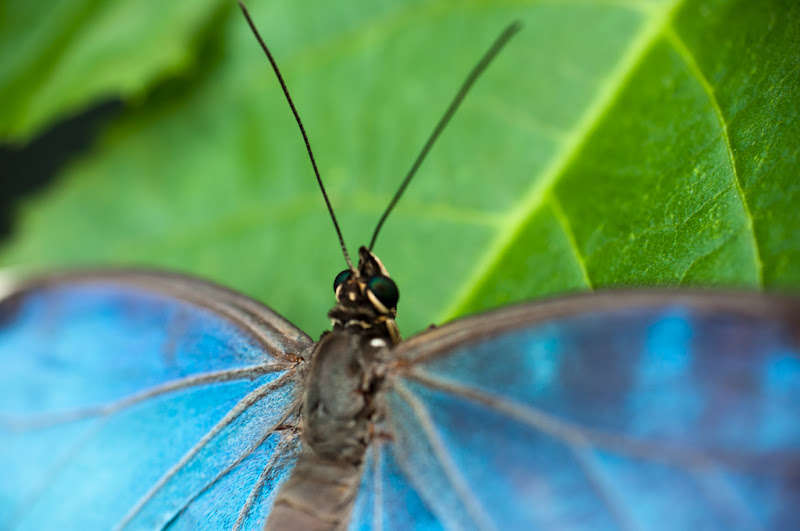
[338,404]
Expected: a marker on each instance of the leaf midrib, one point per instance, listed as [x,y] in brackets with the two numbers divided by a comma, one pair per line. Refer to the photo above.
[535,199]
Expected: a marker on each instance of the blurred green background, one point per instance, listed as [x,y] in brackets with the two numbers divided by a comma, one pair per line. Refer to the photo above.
[612,143]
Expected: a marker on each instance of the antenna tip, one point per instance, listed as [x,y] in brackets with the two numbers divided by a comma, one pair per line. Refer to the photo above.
[511,30]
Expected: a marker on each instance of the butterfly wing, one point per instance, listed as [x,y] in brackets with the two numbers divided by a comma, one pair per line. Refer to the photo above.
[628,411]
[134,399]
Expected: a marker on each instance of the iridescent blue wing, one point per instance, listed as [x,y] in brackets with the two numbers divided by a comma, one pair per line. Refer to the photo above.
[632,411]
[142,400]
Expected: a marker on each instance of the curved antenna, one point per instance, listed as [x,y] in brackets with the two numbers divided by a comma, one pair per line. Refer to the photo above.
[474,74]
[302,130]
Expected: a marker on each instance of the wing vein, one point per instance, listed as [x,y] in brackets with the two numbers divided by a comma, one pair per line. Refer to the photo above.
[377,505]
[733,509]
[243,405]
[278,453]
[258,321]
[616,506]
[105,410]
[26,505]
[476,511]
[574,436]
[227,470]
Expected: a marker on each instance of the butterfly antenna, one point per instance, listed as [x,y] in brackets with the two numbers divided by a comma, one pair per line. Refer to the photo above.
[476,72]
[302,130]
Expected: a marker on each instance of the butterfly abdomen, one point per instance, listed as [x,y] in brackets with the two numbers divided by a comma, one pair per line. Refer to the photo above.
[318,496]
[337,412]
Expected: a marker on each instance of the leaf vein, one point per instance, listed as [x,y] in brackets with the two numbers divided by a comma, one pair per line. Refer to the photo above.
[688,58]
[566,226]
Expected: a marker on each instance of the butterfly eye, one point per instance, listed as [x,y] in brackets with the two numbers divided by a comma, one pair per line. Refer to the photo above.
[341,278]
[385,290]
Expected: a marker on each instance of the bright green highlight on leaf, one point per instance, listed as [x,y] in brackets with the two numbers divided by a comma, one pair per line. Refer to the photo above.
[612,143]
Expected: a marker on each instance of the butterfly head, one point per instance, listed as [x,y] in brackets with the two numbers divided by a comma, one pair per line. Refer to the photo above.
[366,299]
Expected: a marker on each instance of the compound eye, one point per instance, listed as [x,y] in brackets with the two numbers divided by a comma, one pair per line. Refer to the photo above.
[341,278]
[384,289]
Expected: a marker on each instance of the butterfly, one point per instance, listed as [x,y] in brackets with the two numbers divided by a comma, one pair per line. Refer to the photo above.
[142,399]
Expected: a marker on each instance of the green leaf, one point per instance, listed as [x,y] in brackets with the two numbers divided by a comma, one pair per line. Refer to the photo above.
[611,143]
[58,57]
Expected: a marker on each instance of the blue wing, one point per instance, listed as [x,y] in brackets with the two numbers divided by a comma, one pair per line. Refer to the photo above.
[387,499]
[620,411]
[140,400]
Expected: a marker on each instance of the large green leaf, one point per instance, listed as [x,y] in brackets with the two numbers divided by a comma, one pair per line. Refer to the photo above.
[611,143]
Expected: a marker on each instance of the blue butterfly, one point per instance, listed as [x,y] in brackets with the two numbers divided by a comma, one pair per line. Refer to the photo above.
[142,400]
